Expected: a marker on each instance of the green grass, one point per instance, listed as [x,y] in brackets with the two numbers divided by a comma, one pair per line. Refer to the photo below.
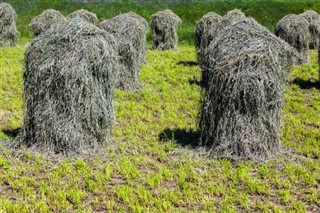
[152,166]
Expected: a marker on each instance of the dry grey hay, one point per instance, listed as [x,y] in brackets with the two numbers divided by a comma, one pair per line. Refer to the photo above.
[130,32]
[313,19]
[225,23]
[294,30]
[68,88]
[164,25]
[85,15]
[241,114]
[208,22]
[45,20]
[8,29]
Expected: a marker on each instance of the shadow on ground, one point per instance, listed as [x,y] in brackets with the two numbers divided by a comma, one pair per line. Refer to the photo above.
[188,63]
[12,133]
[303,84]
[181,136]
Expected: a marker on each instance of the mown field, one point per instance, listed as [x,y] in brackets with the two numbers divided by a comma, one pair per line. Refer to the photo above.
[153,165]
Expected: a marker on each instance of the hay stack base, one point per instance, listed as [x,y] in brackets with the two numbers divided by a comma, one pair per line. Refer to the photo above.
[164,25]
[313,19]
[130,31]
[294,30]
[208,22]
[241,114]
[85,15]
[68,88]
[8,30]
[45,21]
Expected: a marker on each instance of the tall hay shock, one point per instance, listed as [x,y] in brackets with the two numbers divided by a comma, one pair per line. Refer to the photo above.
[208,22]
[241,115]
[130,32]
[8,29]
[45,21]
[68,88]
[225,23]
[85,15]
[164,25]
[294,30]
[313,19]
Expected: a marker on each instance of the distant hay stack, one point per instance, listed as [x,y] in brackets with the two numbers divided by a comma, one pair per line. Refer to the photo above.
[241,114]
[143,52]
[225,23]
[8,29]
[208,22]
[164,25]
[68,88]
[294,30]
[85,15]
[45,21]
[314,27]
[130,32]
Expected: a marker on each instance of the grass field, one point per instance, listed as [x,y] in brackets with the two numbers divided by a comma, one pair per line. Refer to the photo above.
[153,164]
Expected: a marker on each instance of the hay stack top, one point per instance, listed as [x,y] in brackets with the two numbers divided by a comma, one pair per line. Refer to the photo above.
[294,29]
[45,21]
[314,27]
[85,15]
[166,17]
[291,27]
[7,13]
[208,22]
[119,24]
[8,30]
[140,18]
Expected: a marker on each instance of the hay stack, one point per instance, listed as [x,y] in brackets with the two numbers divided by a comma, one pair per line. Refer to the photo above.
[130,32]
[225,23]
[240,117]
[8,30]
[85,15]
[313,19]
[164,25]
[45,20]
[68,88]
[208,22]
[294,30]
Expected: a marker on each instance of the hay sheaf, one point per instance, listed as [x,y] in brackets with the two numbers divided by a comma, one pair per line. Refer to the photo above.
[294,30]
[208,22]
[240,118]
[130,32]
[164,25]
[68,88]
[213,34]
[8,29]
[313,19]
[85,15]
[45,20]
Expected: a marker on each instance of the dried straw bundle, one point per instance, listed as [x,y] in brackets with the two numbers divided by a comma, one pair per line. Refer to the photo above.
[240,118]
[8,30]
[314,27]
[294,30]
[208,22]
[164,25]
[225,23]
[130,32]
[45,21]
[68,88]
[85,15]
